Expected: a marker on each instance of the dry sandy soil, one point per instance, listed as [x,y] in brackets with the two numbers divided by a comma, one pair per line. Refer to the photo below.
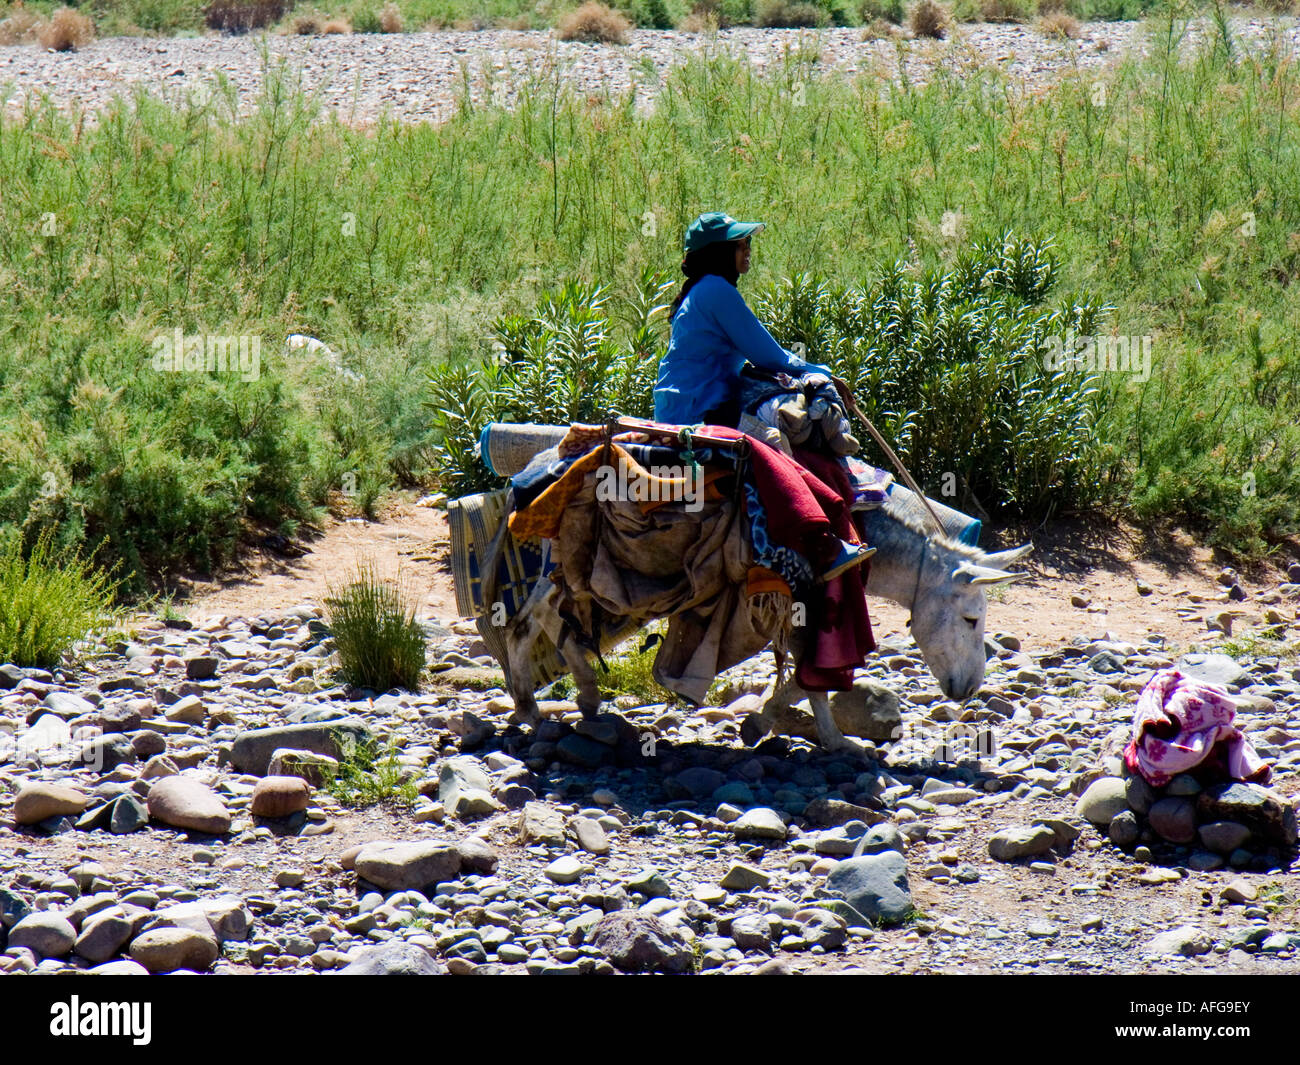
[1103,561]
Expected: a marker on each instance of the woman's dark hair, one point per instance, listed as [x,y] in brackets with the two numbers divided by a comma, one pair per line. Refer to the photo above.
[716,258]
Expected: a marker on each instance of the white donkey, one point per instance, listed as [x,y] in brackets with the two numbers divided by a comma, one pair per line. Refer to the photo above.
[941,581]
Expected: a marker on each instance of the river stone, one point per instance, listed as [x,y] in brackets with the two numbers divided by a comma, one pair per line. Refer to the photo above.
[879,838]
[46,933]
[129,813]
[408,866]
[831,813]
[105,753]
[637,942]
[1213,669]
[121,967]
[125,717]
[477,856]
[1269,816]
[868,710]
[37,800]
[201,667]
[875,885]
[1139,794]
[395,958]
[1224,837]
[1104,798]
[67,705]
[164,950]
[280,796]
[185,803]
[1187,940]
[1021,841]
[759,823]
[591,837]
[581,751]
[1173,819]
[103,935]
[252,750]
[188,711]
[316,769]
[540,823]
[742,877]
[1124,829]
[752,931]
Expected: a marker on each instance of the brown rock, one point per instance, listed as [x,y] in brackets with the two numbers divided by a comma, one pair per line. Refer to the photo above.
[182,802]
[164,950]
[280,796]
[37,801]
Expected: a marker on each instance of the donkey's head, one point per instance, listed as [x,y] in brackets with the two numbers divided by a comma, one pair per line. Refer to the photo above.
[943,583]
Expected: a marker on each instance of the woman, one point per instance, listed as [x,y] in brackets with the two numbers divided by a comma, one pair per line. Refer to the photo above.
[714,334]
[714,331]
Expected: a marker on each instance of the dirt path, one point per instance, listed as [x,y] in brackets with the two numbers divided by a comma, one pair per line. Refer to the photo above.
[1100,561]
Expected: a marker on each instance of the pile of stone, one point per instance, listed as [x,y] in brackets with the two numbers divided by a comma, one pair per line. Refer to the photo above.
[1208,824]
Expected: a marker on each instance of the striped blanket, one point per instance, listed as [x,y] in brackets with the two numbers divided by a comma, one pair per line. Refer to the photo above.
[495,594]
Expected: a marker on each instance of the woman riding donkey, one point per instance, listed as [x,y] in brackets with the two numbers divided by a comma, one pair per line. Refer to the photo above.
[714,333]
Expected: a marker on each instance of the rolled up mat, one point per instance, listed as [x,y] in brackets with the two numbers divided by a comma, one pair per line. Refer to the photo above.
[959,526]
[507,448]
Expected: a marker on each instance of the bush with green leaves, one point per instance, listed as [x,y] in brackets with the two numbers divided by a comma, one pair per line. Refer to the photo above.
[50,599]
[379,642]
[570,361]
[949,364]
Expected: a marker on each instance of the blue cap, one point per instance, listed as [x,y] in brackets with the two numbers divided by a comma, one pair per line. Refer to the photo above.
[715,226]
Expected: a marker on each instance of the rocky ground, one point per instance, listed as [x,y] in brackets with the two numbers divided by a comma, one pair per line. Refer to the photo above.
[415,76]
[155,814]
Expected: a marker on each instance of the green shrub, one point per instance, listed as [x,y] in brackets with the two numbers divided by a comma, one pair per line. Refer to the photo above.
[49,600]
[788,13]
[380,643]
[949,365]
[561,365]
[890,10]
[367,776]
[657,14]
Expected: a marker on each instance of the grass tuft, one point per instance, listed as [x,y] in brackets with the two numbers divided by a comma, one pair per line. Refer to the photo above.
[1059,24]
[367,776]
[49,600]
[380,643]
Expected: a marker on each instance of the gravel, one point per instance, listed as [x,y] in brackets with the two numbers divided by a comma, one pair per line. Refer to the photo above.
[415,76]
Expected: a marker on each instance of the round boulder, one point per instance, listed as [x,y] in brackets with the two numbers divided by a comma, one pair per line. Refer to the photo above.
[37,800]
[164,950]
[280,796]
[182,802]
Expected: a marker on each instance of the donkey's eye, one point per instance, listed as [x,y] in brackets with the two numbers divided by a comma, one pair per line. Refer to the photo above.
[972,622]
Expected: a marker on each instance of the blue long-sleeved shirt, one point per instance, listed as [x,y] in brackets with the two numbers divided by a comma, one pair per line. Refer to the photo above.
[714,333]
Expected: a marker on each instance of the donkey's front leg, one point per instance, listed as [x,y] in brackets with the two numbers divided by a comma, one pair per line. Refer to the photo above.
[828,732]
[757,725]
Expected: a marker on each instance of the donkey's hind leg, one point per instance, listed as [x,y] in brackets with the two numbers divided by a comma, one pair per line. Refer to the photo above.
[538,616]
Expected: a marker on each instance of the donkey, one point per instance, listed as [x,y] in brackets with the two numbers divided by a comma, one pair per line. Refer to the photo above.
[941,581]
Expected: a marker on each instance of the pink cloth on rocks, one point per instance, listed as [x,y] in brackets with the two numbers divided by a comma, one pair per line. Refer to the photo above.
[1181,724]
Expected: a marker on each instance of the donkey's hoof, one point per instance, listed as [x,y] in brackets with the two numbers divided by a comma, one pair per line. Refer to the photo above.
[753,729]
[844,745]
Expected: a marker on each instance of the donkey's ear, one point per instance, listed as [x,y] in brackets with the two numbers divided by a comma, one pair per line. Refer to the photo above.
[969,573]
[1002,559]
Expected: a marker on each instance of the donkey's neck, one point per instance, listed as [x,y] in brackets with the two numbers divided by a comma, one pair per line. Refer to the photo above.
[902,567]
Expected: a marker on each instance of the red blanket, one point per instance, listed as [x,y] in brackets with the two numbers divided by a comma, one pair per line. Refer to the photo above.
[807,512]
